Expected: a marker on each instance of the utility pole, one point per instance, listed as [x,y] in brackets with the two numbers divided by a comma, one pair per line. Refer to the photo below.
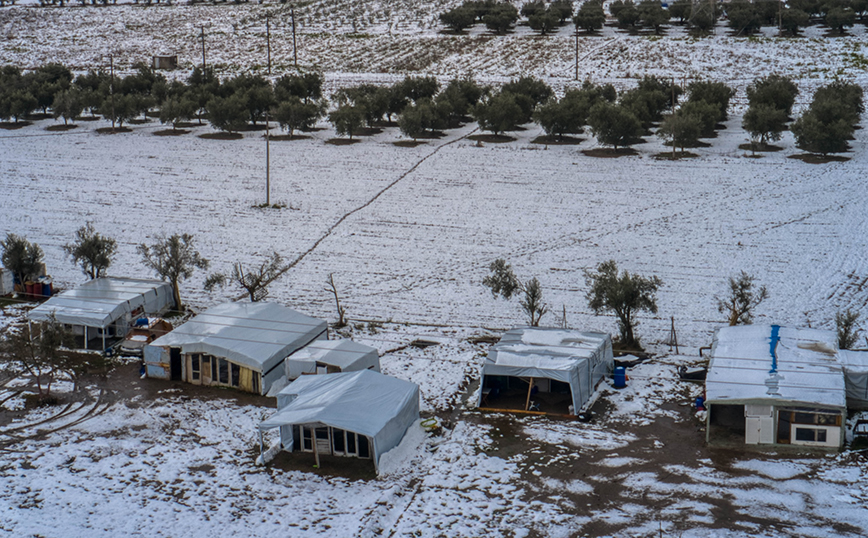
[267,127]
[780,12]
[577,53]
[294,43]
[112,87]
[203,48]
[268,40]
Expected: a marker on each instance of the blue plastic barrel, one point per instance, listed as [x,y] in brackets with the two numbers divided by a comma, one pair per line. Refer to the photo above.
[620,377]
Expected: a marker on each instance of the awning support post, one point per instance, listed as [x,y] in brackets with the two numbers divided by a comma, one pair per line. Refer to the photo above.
[529,388]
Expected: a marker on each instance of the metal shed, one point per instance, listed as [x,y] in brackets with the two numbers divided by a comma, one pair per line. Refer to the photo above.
[358,414]
[855,365]
[331,356]
[775,385]
[552,360]
[104,308]
[240,345]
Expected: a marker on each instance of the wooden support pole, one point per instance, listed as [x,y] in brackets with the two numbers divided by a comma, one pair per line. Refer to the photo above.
[315,449]
[529,388]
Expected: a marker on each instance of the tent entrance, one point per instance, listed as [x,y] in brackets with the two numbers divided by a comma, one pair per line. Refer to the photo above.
[524,394]
[332,442]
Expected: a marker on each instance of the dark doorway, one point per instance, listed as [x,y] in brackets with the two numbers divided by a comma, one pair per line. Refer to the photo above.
[175,363]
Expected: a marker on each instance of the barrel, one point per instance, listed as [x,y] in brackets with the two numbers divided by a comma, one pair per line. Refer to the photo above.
[46,289]
[620,377]
[29,288]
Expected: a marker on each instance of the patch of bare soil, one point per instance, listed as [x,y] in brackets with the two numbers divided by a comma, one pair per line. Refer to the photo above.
[250,127]
[12,125]
[493,139]
[697,144]
[813,158]
[342,141]
[139,121]
[610,153]
[37,117]
[62,127]
[171,132]
[408,143]
[287,138]
[760,147]
[557,140]
[668,156]
[222,136]
[114,130]
[88,118]
[367,131]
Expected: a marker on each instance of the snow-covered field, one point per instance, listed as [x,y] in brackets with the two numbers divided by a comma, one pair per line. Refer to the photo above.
[408,234]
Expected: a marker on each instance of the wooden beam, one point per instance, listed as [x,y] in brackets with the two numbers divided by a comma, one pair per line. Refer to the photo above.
[529,388]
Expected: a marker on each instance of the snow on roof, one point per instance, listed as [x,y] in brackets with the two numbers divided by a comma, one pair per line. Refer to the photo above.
[256,335]
[366,402]
[803,368]
[557,349]
[102,301]
[853,361]
[340,353]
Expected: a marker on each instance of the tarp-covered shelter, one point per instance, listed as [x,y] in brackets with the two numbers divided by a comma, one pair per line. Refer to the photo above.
[551,360]
[775,385]
[855,365]
[361,414]
[240,345]
[106,307]
[330,357]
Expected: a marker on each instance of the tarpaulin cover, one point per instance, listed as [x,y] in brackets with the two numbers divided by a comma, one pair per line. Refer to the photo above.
[804,369]
[255,335]
[103,301]
[346,355]
[365,402]
[855,364]
[580,359]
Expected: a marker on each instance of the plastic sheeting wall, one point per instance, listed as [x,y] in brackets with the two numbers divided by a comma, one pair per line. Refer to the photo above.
[855,364]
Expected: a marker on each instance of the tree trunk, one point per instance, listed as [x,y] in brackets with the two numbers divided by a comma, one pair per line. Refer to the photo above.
[176,294]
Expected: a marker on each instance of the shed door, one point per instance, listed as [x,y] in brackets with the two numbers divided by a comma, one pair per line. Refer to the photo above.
[759,424]
[175,363]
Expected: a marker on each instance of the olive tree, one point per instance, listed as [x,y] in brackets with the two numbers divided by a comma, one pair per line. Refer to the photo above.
[847,331]
[173,258]
[502,281]
[254,281]
[21,257]
[623,294]
[742,300]
[42,350]
[92,251]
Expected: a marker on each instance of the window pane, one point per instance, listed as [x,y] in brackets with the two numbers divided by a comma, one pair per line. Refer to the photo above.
[821,436]
[214,369]
[194,366]
[351,443]
[338,440]
[363,447]
[805,434]
[805,418]
[236,374]
[224,371]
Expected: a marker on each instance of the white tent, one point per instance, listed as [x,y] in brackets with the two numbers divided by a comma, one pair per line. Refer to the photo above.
[332,356]
[255,336]
[106,304]
[580,359]
[779,385]
[855,364]
[366,403]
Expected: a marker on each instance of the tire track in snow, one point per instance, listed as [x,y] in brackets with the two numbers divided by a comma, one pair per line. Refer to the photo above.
[367,204]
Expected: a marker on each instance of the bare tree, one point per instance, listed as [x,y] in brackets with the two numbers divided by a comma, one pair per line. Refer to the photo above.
[502,281]
[174,259]
[42,350]
[255,282]
[92,251]
[342,320]
[743,298]
[848,332]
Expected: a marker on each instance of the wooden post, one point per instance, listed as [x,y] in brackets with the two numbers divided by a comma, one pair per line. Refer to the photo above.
[315,450]
[673,337]
[529,388]
[268,40]
[112,87]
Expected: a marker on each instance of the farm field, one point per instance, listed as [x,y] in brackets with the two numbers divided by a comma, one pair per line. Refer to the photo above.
[408,234]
